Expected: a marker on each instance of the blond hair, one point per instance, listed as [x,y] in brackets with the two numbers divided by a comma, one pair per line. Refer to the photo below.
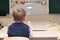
[19,14]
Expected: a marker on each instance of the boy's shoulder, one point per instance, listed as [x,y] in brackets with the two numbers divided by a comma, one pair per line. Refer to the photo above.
[16,24]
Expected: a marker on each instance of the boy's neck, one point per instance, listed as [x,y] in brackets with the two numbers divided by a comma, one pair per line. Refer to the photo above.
[18,21]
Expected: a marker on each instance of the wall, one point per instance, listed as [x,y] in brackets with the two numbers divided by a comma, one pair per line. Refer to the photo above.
[40,8]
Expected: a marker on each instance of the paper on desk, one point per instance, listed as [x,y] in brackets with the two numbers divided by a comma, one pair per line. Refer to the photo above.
[44,34]
[2,35]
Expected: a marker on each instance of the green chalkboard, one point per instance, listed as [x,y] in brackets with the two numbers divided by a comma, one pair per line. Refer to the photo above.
[4,5]
[54,6]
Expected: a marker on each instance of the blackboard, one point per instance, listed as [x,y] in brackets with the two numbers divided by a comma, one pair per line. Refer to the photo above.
[4,5]
[54,6]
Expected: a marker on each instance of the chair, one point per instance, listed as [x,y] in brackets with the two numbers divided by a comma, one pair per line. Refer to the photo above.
[16,38]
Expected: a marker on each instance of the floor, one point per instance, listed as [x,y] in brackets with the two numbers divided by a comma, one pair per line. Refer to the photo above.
[34,19]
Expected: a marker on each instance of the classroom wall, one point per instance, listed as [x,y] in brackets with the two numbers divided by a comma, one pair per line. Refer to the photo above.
[39,8]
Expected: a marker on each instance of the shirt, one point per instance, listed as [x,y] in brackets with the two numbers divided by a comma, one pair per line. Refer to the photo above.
[19,30]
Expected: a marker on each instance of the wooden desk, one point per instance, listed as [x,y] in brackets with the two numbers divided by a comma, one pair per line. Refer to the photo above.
[44,38]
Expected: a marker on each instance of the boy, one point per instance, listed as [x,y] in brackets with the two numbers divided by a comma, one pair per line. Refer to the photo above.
[18,29]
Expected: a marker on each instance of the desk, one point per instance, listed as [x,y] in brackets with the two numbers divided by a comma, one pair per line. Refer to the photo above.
[43,31]
[49,30]
[2,35]
[37,35]
[44,38]
[3,32]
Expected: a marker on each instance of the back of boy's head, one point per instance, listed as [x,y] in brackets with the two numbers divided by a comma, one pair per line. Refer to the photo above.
[19,14]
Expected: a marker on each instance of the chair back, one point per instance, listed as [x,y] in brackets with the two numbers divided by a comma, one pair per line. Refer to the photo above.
[16,38]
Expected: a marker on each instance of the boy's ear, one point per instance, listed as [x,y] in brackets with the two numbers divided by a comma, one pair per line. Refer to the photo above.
[25,19]
[12,19]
